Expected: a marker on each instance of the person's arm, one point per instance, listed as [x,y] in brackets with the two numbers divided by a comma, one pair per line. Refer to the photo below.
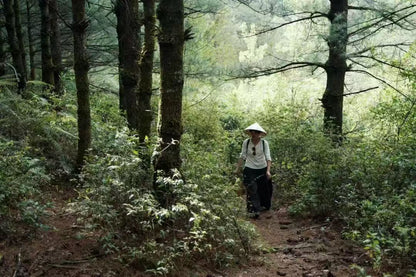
[239,164]
[268,160]
[241,159]
[268,174]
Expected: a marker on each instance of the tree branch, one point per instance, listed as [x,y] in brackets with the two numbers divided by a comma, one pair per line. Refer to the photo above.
[381,61]
[393,22]
[360,91]
[406,117]
[360,64]
[247,4]
[382,81]
[270,71]
[395,45]
[362,8]
[318,15]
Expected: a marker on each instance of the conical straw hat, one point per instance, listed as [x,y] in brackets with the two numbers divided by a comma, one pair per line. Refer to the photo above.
[255,127]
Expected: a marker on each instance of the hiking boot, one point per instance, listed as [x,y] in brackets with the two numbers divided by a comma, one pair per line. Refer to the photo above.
[263,209]
[255,215]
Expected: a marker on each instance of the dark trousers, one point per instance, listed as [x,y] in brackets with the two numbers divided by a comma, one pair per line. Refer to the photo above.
[258,189]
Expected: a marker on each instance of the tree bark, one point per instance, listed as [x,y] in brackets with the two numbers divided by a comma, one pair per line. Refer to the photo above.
[81,67]
[13,43]
[171,41]
[146,70]
[47,65]
[128,30]
[56,51]
[32,75]
[2,52]
[335,67]
[19,35]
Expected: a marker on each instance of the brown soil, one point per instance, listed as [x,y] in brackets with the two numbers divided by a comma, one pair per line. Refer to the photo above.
[291,248]
[301,248]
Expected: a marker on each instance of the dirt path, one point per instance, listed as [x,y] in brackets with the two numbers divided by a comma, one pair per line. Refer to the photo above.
[292,248]
[301,248]
[62,250]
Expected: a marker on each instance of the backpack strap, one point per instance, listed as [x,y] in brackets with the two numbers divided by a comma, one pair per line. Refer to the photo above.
[247,142]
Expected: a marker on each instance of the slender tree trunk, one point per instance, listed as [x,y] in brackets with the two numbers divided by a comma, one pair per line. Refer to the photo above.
[19,35]
[336,67]
[128,30]
[146,70]
[2,52]
[56,46]
[13,43]
[171,42]
[31,41]
[47,65]
[81,67]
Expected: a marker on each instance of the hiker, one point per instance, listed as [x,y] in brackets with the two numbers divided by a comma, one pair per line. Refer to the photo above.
[256,174]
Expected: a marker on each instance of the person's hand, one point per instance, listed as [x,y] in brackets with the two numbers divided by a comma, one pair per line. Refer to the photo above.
[237,171]
[269,176]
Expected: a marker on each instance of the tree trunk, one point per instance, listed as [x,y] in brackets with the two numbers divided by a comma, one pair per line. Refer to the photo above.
[13,43]
[336,67]
[31,41]
[171,42]
[47,65]
[128,30]
[19,36]
[56,46]
[146,70]
[2,52]
[81,67]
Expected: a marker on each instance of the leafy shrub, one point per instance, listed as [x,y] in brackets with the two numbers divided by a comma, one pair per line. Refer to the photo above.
[47,125]
[201,221]
[33,144]
[295,140]
[21,180]
[368,182]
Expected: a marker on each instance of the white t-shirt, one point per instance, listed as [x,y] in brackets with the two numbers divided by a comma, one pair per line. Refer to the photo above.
[259,160]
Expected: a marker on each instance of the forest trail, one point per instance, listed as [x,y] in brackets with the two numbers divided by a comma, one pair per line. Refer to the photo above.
[291,248]
[301,248]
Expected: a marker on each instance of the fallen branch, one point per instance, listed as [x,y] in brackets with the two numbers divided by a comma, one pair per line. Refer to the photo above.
[18,265]
[314,227]
[35,262]
[63,266]
[65,262]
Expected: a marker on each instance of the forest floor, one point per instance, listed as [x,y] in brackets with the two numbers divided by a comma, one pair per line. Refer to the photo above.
[292,248]
[304,248]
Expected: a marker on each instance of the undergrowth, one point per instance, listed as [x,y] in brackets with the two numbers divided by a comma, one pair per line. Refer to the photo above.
[34,150]
[368,182]
[201,225]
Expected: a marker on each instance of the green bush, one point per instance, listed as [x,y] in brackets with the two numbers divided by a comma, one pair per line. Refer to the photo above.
[33,147]
[48,125]
[295,140]
[202,220]
[21,179]
[368,182]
